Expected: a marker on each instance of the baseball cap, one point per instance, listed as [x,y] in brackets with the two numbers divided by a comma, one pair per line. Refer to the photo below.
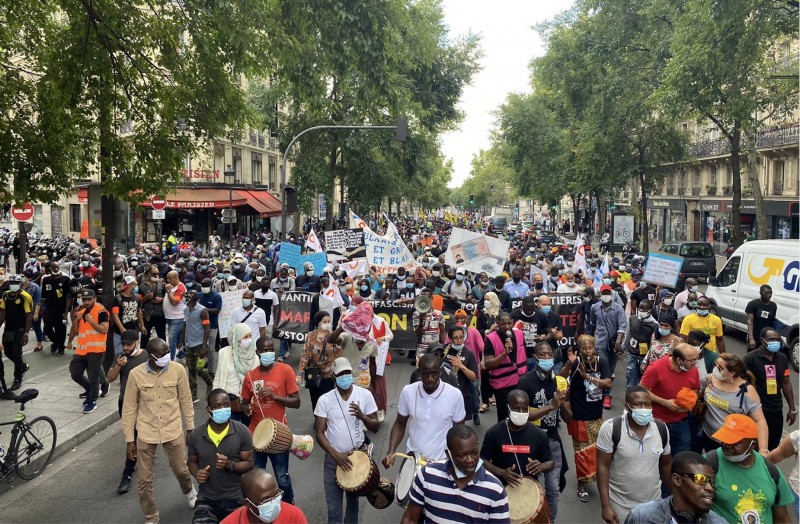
[88,293]
[665,293]
[341,364]
[461,312]
[460,271]
[207,282]
[736,428]
[130,279]
[129,336]
[614,274]
[605,287]
[433,347]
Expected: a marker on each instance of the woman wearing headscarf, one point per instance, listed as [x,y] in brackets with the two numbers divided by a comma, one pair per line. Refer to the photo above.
[318,353]
[487,322]
[233,362]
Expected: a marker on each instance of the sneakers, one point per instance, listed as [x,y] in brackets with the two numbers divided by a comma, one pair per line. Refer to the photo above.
[104,390]
[191,497]
[89,407]
[607,403]
[85,401]
[124,485]
[8,395]
[15,385]
[195,401]
[381,415]
[53,349]
[181,356]
[288,354]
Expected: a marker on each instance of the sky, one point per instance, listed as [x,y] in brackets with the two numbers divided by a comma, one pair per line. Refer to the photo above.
[508,42]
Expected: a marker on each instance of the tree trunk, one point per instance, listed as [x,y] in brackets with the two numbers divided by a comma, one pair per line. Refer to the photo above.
[736,212]
[755,183]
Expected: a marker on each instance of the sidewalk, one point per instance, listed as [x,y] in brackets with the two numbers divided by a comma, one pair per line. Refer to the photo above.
[58,399]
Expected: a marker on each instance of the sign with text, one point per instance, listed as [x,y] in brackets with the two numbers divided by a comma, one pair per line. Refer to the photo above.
[662,269]
[476,252]
[345,244]
[290,254]
[294,315]
[230,301]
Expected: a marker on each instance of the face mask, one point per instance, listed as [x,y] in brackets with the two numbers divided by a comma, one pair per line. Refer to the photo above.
[702,312]
[692,304]
[539,285]
[436,273]
[643,314]
[546,363]
[245,343]
[622,268]
[587,299]
[642,416]
[85,263]
[664,332]
[694,289]
[246,302]
[409,285]
[267,358]
[607,281]
[162,362]
[459,277]
[205,290]
[517,418]
[682,367]
[460,474]
[325,326]
[546,309]
[269,511]
[667,301]
[221,416]
[484,282]
[739,458]
[349,286]
[310,272]
[55,271]
[345,381]
[457,347]
[605,298]
[203,268]
[774,346]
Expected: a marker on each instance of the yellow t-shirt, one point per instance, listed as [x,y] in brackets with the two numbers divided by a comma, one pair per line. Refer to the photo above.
[624,276]
[216,438]
[711,325]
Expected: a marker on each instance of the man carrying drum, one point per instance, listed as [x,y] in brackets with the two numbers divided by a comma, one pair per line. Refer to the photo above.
[266,393]
[341,417]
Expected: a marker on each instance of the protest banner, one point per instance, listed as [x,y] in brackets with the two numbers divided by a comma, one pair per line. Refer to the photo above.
[290,254]
[294,315]
[345,244]
[355,268]
[476,252]
[230,301]
[662,269]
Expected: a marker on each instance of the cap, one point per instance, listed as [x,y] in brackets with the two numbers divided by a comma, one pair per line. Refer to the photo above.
[460,312]
[664,293]
[736,428]
[605,287]
[460,271]
[614,274]
[130,279]
[636,272]
[686,398]
[341,364]
[129,336]
[88,293]
[207,282]
[284,266]
[308,265]
[433,347]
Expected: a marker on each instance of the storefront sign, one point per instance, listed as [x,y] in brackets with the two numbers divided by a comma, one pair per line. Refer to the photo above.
[665,203]
[203,174]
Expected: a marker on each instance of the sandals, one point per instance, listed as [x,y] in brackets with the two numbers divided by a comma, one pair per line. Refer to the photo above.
[484,408]
[583,496]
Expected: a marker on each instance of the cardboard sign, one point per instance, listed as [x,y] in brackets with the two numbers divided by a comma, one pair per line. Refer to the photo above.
[294,315]
[662,269]
[290,254]
[230,301]
[345,244]
[476,252]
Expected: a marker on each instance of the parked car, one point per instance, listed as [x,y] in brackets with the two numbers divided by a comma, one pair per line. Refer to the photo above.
[699,259]
[753,264]
[547,237]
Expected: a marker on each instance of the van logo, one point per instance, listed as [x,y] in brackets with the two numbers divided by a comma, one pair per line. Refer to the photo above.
[791,282]
[773,268]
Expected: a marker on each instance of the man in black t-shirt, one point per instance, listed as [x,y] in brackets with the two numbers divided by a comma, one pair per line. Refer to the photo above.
[461,362]
[534,326]
[514,448]
[760,314]
[645,291]
[56,303]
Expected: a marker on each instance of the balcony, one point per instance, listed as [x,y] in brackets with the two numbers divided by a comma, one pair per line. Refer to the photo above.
[695,191]
[711,190]
[670,191]
[767,138]
[261,141]
[727,190]
[777,187]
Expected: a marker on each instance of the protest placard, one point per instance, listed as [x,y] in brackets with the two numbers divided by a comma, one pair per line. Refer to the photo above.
[290,254]
[662,269]
[345,244]
[230,301]
[476,252]
[294,315]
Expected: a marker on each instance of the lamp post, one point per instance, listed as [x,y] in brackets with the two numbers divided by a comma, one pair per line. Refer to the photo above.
[401,129]
[230,177]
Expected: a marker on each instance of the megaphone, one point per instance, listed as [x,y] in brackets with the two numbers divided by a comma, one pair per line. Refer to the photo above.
[423,304]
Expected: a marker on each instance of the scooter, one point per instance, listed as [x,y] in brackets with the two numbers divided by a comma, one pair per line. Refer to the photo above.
[604,242]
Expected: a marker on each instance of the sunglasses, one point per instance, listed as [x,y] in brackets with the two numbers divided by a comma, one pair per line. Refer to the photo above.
[698,478]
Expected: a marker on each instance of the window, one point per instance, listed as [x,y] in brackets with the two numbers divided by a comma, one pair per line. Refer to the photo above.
[777,177]
[75,217]
[273,171]
[237,169]
[728,275]
[670,249]
[712,176]
[696,178]
[38,219]
[255,167]
[696,251]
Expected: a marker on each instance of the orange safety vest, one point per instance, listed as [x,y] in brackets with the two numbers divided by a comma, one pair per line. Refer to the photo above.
[90,340]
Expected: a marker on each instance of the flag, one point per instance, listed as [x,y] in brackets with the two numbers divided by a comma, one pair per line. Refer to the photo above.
[313,243]
[332,292]
[580,255]
[598,277]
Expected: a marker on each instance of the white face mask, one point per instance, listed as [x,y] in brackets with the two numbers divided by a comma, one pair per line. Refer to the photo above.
[667,301]
[517,418]
[246,342]
[605,298]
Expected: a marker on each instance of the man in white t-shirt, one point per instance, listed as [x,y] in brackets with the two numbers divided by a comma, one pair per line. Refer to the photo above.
[430,407]
[341,417]
[249,314]
[173,311]
[267,300]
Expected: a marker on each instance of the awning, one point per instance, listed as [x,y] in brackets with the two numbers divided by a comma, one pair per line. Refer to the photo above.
[204,199]
[262,201]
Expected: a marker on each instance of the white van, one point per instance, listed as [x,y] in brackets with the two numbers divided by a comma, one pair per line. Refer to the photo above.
[773,262]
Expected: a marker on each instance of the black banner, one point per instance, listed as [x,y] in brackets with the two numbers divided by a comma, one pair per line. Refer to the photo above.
[294,315]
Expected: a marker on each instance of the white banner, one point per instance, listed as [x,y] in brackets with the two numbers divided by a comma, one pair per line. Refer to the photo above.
[662,269]
[476,252]
[230,301]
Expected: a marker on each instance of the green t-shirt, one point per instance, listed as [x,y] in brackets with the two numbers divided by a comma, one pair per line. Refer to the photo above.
[742,493]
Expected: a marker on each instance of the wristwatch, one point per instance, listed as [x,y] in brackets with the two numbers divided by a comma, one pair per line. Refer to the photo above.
[231,465]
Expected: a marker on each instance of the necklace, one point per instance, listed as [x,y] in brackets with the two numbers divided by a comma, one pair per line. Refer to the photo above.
[589,366]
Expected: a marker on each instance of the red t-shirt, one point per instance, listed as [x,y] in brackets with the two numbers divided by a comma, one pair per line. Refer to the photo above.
[280,379]
[665,382]
[289,515]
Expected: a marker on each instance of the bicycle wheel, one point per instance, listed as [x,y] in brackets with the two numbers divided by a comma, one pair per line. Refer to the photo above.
[34,448]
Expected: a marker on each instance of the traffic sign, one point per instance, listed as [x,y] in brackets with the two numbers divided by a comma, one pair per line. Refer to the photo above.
[289,224]
[22,213]
[158,202]
[159,214]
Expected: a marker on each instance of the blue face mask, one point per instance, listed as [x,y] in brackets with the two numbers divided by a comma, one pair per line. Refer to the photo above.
[642,416]
[702,312]
[246,302]
[774,346]
[607,281]
[664,332]
[459,277]
[267,358]
[344,382]
[364,288]
[221,415]
[546,363]
[269,511]
[546,309]
[409,285]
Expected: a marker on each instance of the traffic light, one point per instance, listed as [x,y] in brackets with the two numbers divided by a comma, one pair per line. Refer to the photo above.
[472,200]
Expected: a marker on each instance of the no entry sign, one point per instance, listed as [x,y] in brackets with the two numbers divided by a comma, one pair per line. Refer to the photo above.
[23,212]
[158,202]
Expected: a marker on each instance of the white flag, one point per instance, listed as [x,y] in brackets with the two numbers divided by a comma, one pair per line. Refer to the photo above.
[333,294]
[312,242]
[598,277]
[580,255]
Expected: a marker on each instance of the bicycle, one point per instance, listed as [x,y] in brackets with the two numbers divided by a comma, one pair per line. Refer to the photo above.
[32,443]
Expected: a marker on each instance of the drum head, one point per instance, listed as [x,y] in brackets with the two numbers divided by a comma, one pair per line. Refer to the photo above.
[525,500]
[358,474]
[263,434]
[383,496]
[405,477]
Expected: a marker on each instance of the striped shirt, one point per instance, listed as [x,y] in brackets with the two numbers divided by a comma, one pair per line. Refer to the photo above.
[482,500]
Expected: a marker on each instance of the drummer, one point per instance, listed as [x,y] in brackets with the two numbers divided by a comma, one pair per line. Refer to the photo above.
[267,391]
[515,448]
[432,407]
[341,417]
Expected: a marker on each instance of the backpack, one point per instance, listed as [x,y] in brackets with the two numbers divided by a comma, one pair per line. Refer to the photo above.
[616,432]
[713,460]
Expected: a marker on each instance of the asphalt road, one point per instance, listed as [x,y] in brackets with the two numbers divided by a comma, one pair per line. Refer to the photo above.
[80,486]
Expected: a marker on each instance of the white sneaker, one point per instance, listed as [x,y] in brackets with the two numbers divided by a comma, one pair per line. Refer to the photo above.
[288,354]
[191,497]
[381,415]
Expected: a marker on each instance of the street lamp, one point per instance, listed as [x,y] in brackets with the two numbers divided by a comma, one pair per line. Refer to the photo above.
[230,177]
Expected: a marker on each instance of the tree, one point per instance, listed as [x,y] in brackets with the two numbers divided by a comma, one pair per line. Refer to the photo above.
[718,72]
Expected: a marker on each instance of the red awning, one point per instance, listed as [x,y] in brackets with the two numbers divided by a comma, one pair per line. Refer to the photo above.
[204,199]
[262,201]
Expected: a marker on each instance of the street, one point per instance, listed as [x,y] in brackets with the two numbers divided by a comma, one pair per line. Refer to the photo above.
[81,485]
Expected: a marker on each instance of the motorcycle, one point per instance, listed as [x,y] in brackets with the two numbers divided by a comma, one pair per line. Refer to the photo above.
[630,248]
[604,243]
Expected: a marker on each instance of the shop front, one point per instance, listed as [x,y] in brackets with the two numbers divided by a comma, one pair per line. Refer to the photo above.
[716,220]
[667,219]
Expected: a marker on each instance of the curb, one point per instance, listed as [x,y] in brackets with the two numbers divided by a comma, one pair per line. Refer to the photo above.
[71,443]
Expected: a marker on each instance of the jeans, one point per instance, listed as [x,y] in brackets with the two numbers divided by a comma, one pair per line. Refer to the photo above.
[208,511]
[37,330]
[284,348]
[213,348]
[333,496]
[90,364]
[280,467]
[476,396]
[117,344]
[552,479]
[633,374]
[679,437]
[611,357]
[175,330]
